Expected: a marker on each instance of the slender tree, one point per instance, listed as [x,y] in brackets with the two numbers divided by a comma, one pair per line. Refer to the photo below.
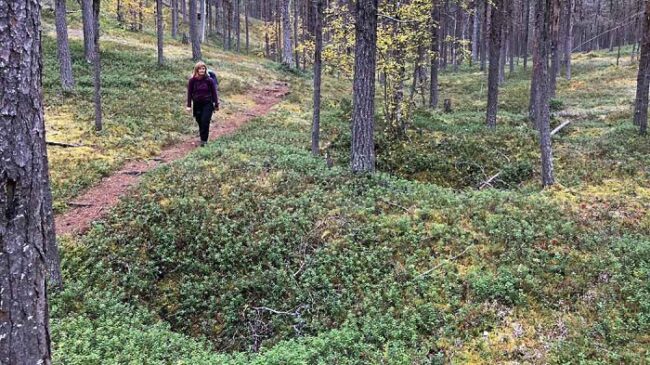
[643,76]
[159,28]
[174,5]
[365,64]
[27,243]
[315,130]
[287,50]
[203,10]
[194,34]
[65,63]
[526,31]
[246,10]
[435,56]
[496,28]
[540,82]
[568,39]
[87,25]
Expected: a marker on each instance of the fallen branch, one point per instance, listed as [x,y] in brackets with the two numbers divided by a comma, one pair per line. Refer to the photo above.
[559,128]
[442,263]
[63,144]
[553,132]
[489,181]
[79,205]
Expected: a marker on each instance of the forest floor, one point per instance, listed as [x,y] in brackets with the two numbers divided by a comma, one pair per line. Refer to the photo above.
[98,200]
[253,251]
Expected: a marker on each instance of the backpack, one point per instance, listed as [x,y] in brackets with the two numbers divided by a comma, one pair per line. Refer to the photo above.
[213,76]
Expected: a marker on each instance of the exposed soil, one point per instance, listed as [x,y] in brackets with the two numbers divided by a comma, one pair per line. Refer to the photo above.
[98,200]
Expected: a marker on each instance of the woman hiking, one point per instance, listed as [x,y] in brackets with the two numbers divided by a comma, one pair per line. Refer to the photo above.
[202,93]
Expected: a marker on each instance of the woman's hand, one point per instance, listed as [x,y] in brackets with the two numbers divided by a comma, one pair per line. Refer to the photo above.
[188,109]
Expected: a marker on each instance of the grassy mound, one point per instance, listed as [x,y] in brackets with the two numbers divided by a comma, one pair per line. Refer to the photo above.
[254,244]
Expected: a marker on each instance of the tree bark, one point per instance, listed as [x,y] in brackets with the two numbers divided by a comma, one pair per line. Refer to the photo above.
[174,5]
[87,25]
[475,31]
[287,49]
[203,10]
[238,24]
[315,130]
[541,83]
[65,63]
[28,245]
[484,33]
[365,63]
[555,46]
[568,41]
[643,76]
[435,54]
[194,34]
[526,32]
[496,28]
[246,10]
[159,28]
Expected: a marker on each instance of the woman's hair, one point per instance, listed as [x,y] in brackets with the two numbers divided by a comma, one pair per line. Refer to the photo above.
[197,67]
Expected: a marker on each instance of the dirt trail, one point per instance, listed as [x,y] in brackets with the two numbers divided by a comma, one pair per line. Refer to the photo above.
[97,201]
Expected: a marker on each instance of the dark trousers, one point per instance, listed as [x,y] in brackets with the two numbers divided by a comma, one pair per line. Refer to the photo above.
[203,115]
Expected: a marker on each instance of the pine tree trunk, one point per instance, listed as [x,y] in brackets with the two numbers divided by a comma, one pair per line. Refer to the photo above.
[238,24]
[203,11]
[246,10]
[568,42]
[541,78]
[65,63]
[643,76]
[315,130]
[365,63]
[555,46]
[119,12]
[435,54]
[287,50]
[475,31]
[484,33]
[174,18]
[296,55]
[184,10]
[159,28]
[194,34]
[526,32]
[88,28]
[496,28]
[28,246]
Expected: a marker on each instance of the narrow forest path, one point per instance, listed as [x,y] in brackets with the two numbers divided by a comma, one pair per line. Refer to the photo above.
[98,200]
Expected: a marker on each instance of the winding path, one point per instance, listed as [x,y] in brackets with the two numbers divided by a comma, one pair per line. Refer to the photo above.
[98,200]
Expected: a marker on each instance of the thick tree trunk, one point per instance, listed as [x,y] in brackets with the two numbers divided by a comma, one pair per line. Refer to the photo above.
[568,41]
[174,18]
[315,130]
[365,63]
[65,63]
[159,27]
[28,247]
[541,83]
[496,28]
[287,49]
[643,76]
[194,34]
[435,56]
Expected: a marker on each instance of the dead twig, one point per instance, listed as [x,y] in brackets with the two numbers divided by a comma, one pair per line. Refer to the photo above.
[63,144]
[442,263]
